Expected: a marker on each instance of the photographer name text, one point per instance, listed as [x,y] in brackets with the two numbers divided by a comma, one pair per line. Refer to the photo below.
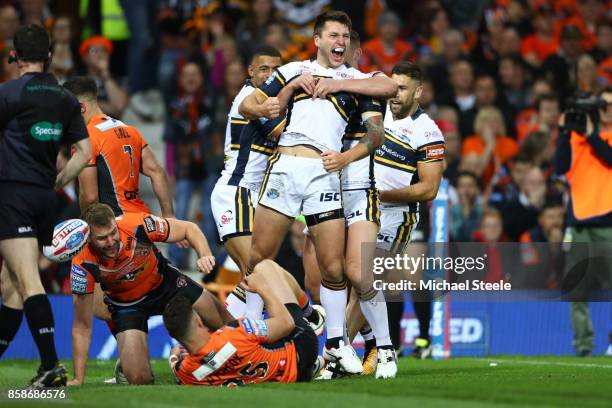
[443,285]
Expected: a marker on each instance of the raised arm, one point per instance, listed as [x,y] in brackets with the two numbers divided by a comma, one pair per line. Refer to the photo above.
[88,186]
[151,168]
[78,161]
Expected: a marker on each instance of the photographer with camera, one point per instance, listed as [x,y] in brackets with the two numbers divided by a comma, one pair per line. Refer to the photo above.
[584,156]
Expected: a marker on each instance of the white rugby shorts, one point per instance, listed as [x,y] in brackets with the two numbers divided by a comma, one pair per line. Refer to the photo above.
[233,208]
[396,227]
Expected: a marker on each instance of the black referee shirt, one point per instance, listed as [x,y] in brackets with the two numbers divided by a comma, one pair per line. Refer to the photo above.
[37,116]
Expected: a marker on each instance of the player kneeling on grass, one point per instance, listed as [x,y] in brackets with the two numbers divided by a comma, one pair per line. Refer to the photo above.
[137,281]
[282,348]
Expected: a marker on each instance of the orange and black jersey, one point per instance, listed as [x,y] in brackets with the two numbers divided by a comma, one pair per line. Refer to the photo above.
[135,271]
[117,155]
[239,353]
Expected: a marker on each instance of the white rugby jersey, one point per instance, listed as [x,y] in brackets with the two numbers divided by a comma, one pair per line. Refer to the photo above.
[408,141]
[360,174]
[314,122]
[247,146]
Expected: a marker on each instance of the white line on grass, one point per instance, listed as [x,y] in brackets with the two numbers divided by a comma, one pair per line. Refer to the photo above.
[555,363]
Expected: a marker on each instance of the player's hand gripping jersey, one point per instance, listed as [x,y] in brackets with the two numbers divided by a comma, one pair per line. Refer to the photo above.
[237,354]
[315,122]
[135,271]
[116,153]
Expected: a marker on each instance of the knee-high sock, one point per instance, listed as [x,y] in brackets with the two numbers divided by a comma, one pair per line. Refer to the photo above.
[334,301]
[422,310]
[375,312]
[40,320]
[394,313]
[10,320]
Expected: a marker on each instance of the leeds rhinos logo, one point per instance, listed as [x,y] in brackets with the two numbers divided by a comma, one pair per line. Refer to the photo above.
[46,131]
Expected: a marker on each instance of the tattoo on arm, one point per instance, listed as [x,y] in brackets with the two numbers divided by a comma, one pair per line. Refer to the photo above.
[375,135]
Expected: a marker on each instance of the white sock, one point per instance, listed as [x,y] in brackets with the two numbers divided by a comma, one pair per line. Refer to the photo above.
[236,306]
[334,302]
[254,305]
[366,332]
[375,312]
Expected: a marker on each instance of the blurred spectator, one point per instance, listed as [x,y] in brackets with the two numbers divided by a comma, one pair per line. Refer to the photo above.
[452,149]
[513,77]
[522,212]
[510,42]
[63,63]
[34,12]
[143,47]
[539,146]
[486,94]
[491,233]
[560,67]
[538,46]
[112,95]
[187,134]
[490,145]
[427,98]
[587,78]
[252,28]
[277,36]
[9,23]
[508,180]
[449,114]
[518,16]
[461,92]
[603,52]
[7,71]
[387,49]
[550,224]
[466,215]
[452,50]
[436,24]
[544,119]
[300,16]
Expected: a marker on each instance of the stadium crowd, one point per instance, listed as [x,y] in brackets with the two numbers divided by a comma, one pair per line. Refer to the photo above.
[498,74]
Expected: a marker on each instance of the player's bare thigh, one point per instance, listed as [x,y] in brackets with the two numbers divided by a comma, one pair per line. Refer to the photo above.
[328,239]
[360,249]
[213,313]
[269,230]
[134,355]
[239,249]
[21,256]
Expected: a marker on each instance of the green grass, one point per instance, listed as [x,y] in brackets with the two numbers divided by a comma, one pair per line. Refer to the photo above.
[460,382]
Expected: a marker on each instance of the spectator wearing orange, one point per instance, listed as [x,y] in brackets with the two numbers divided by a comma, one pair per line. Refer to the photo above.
[112,95]
[387,49]
[538,46]
[489,147]
[544,119]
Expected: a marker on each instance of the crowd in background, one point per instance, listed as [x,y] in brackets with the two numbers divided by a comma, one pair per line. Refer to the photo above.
[498,75]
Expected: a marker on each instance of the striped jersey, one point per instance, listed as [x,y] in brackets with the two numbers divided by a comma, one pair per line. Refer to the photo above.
[247,145]
[408,141]
[319,122]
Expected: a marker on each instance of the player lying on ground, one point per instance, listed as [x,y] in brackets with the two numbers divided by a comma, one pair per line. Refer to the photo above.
[282,348]
[137,281]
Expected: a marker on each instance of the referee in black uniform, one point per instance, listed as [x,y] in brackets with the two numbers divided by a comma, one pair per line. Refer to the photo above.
[37,116]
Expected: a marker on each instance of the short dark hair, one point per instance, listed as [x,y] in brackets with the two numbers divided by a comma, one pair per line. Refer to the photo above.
[32,43]
[546,97]
[332,15]
[177,317]
[473,176]
[82,86]
[266,51]
[409,69]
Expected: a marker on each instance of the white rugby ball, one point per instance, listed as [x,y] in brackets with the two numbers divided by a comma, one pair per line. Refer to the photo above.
[69,238]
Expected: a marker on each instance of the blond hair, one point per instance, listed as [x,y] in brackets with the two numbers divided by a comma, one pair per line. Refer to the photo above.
[488,113]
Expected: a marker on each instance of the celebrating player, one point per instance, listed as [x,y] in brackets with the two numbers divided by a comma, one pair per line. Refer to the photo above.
[137,280]
[282,348]
[408,167]
[36,117]
[296,180]
[248,145]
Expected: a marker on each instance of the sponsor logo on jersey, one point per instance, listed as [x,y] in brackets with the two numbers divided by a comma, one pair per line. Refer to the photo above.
[227,217]
[181,282]
[76,270]
[46,131]
[78,280]
[149,224]
[272,193]
[435,151]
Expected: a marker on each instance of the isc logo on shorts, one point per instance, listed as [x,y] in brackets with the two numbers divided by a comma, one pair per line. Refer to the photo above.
[325,197]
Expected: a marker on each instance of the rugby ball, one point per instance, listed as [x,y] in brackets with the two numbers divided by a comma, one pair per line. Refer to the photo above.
[69,238]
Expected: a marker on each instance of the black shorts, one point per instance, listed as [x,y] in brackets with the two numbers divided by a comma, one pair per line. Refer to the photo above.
[128,316]
[27,211]
[305,341]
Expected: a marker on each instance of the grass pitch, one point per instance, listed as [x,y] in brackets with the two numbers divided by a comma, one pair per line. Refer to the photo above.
[460,382]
